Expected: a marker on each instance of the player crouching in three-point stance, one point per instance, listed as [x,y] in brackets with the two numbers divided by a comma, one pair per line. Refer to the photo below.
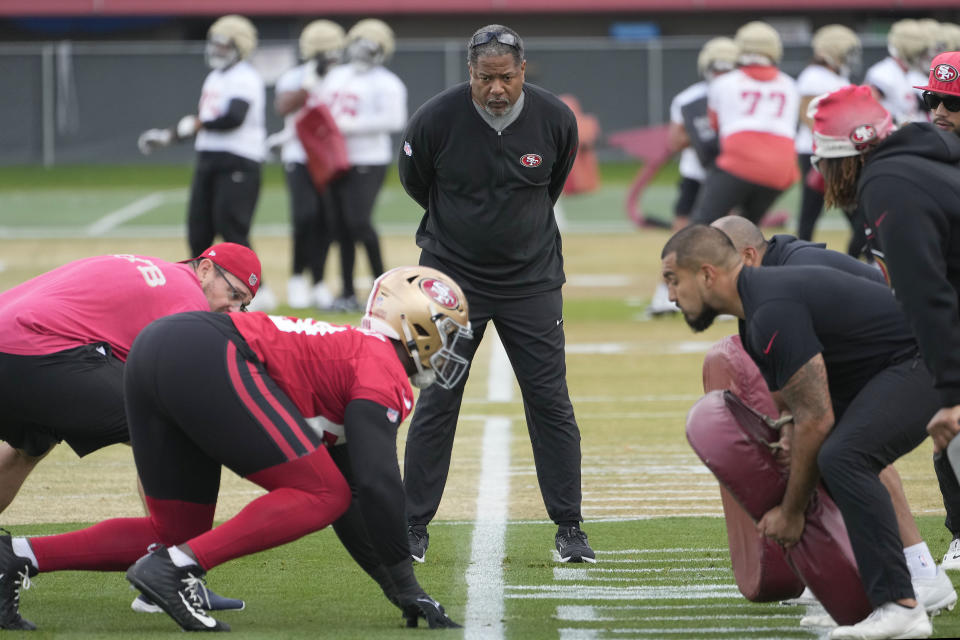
[836,351]
[282,402]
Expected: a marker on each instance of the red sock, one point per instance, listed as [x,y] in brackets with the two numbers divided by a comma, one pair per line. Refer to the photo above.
[306,495]
[113,545]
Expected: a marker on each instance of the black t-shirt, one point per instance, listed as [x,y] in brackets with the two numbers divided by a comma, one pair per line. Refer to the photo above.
[794,313]
[788,251]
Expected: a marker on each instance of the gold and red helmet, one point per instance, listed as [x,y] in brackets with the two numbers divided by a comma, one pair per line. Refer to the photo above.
[427,312]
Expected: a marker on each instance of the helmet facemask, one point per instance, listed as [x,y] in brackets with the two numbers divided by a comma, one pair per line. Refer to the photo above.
[446,366]
[220,52]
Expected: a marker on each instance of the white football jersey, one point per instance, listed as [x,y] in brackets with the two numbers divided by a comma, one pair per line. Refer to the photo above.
[899,97]
[813,81]
[690,166]
[239,81]
[743,104]
[368,104]
[292,150]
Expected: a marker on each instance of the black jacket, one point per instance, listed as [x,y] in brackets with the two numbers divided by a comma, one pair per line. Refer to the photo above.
[787,250]
[910,191]
[488,196]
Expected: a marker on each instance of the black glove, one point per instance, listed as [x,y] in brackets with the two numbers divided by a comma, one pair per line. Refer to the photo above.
[413,600]
[429,609]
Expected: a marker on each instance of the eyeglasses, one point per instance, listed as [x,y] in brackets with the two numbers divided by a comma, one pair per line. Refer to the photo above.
[500,36]
[235,294]
[933,100]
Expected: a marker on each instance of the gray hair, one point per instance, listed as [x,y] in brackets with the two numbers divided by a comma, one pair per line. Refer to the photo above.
[494,47]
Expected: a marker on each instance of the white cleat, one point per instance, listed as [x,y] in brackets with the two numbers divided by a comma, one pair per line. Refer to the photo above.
[821,619]
[951,561]
[660,304]
[322,298]
[805,598]
[889,620]
[298,292]
[935,594]
[265,300]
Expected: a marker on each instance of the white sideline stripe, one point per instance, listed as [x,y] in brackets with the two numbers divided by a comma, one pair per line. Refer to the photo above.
[575,613]
[123,214]
[599,280]
[563,573]
[485,602]
[667,607]
[602,348]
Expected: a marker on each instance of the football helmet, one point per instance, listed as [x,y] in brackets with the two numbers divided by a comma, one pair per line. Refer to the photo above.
[758,40]
[230,39]
[910,43]
[949,36]
[427,312]
[839,47]
[717,56]
[321,37]
[370,41]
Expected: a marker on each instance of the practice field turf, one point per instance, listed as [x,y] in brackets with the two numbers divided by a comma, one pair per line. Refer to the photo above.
[651,508]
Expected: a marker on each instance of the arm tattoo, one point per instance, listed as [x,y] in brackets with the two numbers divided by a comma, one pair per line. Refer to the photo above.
[807,393]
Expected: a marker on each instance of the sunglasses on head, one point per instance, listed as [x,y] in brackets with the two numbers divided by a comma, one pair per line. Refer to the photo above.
[489,36]
[933,100]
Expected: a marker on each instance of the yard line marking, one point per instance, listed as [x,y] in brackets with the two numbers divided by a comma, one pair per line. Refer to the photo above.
[667,397]
[593,634]
[586,592]
[576,613]
[485,601]
[620,552]
[601,348]
[123,214]
[563,573]
[593,280]
[670,607]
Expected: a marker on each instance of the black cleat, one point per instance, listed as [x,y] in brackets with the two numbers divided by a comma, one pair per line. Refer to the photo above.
[209,601]
[572,545]
[179,591]
[15,573]
[419,540]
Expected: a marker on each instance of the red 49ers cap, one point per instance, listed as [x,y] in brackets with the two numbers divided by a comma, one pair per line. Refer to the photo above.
[944,74]
[239,260]
[847,121]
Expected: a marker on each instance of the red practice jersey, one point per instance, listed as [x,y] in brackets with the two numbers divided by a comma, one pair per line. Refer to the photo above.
[322,367]
[103,299]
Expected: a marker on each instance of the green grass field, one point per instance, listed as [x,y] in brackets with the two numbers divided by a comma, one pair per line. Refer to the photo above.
[651,508]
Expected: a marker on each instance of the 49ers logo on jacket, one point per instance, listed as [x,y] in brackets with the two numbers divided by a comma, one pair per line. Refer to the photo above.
[440,293]
[531,160]
[863,134]
[945,73]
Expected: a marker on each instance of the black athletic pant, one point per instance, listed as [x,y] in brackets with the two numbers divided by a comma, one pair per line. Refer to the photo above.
[310,210]
[885,421]
[723,193]
[811,201]
[687,192]
[223,197]
[531,329]
[354,195]
[197,398]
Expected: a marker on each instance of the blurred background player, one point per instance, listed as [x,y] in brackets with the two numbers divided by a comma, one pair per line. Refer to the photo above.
[321,47]
[909,47]
[368,103]
[690,133]
[836,55]
[306,410]
[230,134]
[755,111]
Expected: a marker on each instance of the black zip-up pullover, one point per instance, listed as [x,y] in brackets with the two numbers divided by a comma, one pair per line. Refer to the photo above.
[488,195]
[910,192]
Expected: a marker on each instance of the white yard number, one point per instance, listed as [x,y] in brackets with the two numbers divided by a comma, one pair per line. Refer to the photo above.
[151,273]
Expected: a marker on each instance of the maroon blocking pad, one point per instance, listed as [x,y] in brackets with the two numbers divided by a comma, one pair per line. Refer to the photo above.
[732,438]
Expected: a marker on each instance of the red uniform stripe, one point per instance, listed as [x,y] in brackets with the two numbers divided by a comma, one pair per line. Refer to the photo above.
[251,405]
[280,409]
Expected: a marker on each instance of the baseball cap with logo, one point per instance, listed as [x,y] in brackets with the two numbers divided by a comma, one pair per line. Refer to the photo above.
[944,74]
[847,121]
[239,260]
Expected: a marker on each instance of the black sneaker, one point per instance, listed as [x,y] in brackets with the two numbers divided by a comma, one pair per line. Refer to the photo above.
[15,573]
[572,545]
[345,304]
[419,541]
[179,591]
[209,601]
